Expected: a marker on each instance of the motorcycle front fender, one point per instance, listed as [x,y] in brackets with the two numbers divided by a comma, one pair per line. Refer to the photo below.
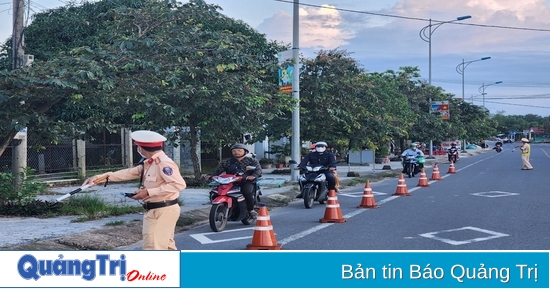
[223,199]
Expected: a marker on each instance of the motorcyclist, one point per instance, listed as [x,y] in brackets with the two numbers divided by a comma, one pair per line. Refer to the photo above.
[238,163]
[321,157]
[412,152]
[451,151]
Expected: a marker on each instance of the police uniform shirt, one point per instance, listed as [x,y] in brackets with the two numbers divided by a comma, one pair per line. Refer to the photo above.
[161,177]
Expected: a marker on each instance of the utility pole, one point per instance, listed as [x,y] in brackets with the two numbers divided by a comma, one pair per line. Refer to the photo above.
[296,151]
[19,144]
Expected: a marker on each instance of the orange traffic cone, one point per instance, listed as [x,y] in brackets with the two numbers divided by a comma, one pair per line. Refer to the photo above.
[452,169]
[401,187]
[264,237]
[435,174]
[333,214]
[423,180]
[368,198]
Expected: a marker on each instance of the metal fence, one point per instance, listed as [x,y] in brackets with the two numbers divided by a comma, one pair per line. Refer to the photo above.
[105,151]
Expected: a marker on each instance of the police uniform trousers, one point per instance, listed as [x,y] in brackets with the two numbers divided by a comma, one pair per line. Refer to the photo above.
[158,228]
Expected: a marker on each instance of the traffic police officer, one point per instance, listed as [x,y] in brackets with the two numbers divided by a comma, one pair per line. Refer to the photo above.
[161,183]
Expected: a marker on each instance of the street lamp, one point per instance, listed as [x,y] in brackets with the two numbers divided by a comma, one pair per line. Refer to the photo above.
[460,69]
[482,90]
[426,35]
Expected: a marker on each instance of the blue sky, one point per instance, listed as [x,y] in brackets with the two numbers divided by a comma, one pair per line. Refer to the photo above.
[519,50]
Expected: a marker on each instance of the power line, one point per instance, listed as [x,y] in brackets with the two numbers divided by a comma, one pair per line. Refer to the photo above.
[417,18]
[516,104]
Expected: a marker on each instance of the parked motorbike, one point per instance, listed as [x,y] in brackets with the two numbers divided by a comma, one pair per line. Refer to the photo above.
[452,155]
[411,163]
[228,203]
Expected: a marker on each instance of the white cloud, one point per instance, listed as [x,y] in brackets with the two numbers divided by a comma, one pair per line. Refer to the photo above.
[320,28]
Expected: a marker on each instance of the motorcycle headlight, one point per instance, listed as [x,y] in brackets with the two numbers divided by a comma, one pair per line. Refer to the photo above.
[309,169]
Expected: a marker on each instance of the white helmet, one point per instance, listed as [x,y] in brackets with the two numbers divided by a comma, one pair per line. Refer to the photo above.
[321,144]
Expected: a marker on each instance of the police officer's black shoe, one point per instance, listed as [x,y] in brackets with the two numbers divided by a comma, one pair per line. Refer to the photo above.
[301,195]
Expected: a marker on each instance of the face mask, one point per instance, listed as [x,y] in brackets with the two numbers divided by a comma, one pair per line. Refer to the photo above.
[139,152]
[320,149]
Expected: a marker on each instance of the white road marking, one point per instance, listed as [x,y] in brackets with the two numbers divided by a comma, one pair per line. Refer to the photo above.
[203,239]
[492,235]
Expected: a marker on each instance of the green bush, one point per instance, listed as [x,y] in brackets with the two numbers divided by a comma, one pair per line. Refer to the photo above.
[28,189]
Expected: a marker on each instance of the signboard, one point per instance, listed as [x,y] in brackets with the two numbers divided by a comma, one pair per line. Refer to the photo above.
[285,74]
[441,108]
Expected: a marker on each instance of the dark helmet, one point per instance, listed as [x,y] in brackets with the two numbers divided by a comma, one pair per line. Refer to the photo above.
[240,146]
[321,144]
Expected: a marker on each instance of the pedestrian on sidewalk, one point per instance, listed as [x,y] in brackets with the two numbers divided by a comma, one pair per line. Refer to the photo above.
[525,153]
[159,189]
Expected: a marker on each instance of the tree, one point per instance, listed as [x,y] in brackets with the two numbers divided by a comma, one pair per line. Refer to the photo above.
[342,104]
[189,67]
[158,65]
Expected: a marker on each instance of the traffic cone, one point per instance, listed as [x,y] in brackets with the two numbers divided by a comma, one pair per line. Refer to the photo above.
[435,174]
[401,187]
[368,198]
[452,169]
[333,214]
[423,180]
[264,237]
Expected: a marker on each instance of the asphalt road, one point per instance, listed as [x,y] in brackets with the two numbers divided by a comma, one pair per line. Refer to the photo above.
[489,204]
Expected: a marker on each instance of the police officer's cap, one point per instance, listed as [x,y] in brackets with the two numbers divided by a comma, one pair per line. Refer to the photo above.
[147,138]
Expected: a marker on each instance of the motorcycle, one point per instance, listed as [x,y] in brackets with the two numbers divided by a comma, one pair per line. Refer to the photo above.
[410,164]
[314,185]
[498,148]
[228,203]
[452,155]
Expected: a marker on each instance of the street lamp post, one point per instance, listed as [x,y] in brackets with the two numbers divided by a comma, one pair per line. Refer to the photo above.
[481,90]
[460,69]
[426,35]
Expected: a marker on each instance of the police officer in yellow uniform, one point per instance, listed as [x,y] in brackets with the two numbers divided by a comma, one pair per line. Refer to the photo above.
[161,185]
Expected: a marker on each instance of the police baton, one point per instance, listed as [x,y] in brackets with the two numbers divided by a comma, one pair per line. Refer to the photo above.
[98,180]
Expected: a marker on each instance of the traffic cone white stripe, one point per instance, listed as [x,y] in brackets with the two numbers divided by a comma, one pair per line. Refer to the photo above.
[332,198]
[263,228]
[333,206]
[368,196]
[263,218]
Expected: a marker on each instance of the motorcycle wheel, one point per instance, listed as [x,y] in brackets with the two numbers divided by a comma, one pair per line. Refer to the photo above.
[309,198]
[217,217]
[410,170]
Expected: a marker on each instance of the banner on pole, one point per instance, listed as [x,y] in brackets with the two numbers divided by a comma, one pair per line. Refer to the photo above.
[441,108]
[285,74]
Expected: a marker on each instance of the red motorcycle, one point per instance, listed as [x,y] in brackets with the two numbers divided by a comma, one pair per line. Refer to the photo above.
[228,203]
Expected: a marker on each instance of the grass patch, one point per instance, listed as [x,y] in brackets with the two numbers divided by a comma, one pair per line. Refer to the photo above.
[93,208]
[115,223]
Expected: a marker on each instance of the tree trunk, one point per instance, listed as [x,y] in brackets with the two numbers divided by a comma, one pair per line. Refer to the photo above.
[7,139]
[194,139]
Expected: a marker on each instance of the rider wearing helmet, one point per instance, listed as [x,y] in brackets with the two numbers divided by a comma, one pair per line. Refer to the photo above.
[312,148]
[321,157]
[451,151]
[412,151]
[238,163]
